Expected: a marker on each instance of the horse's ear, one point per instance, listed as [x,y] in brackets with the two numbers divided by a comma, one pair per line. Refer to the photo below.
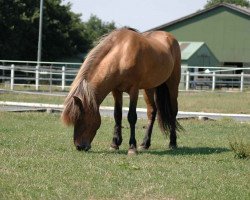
[78,102]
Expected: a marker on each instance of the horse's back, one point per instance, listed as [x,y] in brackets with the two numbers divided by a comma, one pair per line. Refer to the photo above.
[137,60]
[145,59]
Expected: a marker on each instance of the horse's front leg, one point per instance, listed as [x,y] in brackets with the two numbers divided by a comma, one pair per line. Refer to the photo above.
[132,118]
[117,138]
[151,113]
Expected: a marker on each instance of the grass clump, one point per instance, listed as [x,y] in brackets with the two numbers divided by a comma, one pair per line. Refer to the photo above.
[240,148]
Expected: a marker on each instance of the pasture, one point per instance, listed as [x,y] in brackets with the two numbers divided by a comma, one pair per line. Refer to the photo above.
[39,161]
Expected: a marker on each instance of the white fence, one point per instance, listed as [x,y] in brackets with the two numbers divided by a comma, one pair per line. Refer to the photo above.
[215,78]
[46,74]
[61,75]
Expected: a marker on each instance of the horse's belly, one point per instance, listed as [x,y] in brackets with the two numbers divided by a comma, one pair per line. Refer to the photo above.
[154,79]
[151,84]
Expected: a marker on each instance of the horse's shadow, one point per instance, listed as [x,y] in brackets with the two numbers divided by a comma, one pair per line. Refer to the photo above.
[189,151]
[172,152]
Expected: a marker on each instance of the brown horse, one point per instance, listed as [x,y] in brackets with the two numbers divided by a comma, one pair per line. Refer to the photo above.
[126,61]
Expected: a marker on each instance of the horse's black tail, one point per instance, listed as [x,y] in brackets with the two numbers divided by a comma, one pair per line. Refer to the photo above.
[166,113]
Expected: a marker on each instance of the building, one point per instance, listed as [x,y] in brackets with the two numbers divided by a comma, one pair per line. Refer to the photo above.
[224,28]
[197,54]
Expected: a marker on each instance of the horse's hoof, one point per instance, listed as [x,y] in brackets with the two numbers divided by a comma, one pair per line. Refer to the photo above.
[132,152]
[172,147]
[112,148]
[143,148]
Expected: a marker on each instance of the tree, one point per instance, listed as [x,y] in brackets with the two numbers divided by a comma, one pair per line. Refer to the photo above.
[244,3]
[96,28]
[17,28]
[64,34]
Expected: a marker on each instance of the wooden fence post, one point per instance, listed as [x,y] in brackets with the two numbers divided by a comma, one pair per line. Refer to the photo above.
[213,83]
[241,81]
[50,78]
[187,80]
[37,77]
[63,78]
[12,76]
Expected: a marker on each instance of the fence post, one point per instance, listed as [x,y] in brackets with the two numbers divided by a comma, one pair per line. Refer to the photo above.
[63,78]
[37,77]
[50,78]
[187,80]
[213,83]
[12,76]
[241,81]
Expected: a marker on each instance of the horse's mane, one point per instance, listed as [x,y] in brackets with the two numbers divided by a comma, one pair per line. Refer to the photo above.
[80,88]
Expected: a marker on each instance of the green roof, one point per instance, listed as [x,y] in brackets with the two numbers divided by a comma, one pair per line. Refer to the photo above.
[189,48]
[197,54]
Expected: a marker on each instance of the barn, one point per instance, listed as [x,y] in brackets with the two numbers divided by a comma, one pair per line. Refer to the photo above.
[224,28]
[197,54]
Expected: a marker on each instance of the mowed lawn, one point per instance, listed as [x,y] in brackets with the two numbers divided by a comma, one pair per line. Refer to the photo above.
[218,102]
[39,161]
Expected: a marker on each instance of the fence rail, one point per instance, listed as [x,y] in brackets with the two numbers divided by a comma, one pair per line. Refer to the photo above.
[61,75]
[214,81]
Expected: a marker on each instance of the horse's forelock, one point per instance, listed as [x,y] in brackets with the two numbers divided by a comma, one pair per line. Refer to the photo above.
[72,111]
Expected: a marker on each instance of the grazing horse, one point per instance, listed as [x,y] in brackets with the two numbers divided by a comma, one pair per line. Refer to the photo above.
[126,61]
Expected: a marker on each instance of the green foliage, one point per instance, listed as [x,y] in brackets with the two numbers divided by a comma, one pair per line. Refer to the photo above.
[96,28]
[244,3]
[240,148]
[18,34]
[64,34]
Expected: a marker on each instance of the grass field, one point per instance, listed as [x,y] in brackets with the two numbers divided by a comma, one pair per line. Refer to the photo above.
[224,102]
[39,161]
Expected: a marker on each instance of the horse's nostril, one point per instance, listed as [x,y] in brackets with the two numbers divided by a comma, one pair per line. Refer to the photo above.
[79,148]
[87,148]
[83,147]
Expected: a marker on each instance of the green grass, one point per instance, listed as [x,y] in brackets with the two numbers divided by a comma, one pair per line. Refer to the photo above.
[31,98]
[224,102]
[32,88]
[39,161]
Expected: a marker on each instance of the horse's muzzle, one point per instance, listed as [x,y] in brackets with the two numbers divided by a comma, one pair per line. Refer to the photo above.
[83,147]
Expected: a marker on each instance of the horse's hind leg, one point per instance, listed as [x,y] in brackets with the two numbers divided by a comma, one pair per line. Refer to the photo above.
[132,118]
[173,137]
[173,92]
[151,113]
[173,86]
[117,138]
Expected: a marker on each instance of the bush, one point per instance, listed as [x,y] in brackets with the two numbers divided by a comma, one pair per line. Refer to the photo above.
[240,148]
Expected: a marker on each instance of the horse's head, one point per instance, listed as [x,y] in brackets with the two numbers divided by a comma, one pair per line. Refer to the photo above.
[86,125]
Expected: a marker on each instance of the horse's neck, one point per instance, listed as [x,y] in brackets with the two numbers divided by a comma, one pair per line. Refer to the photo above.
[102,87]
[101,93]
